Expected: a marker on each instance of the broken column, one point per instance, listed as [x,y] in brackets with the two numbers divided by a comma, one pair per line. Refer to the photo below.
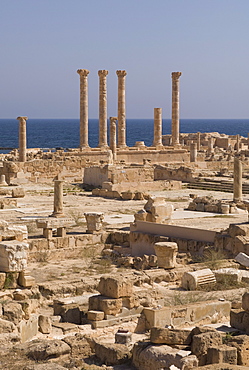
[157,127]
[198,141]
[193,152]
[102,109]
[83,108]
[195,279]
[94,221]
[237,142]
[237,180]
[166,254]
[22,138]
[113,139]
[58,198]
[175,108]
[121,109]
[210,145]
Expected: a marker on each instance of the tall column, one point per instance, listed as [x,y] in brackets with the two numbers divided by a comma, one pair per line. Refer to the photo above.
[113,139]
[175,108]
[237,143]
[102,109]
[193,152]
[210,144]
[22,138]
[157,127]
[58,199]
[237,180]
[198,141]
[121,109]
[83,108]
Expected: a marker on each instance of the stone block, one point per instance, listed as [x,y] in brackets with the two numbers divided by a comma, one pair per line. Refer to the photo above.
[245,301]
[115,287]
[26,280]
[13,312]
[222,354]
[95,315]
[127,195]
[243,259]
[123,337]
[2,280]
[201,343]
[238,229]
[44,324]
[18,192]
[166,254]
[112,354]
[234,274]
[191,280]
[130,302]
[28,328]
[109,306]
[241,343]
[170,336]
[13,256]
[7,326]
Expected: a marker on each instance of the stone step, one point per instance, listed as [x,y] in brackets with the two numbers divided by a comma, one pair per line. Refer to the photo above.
[216,186]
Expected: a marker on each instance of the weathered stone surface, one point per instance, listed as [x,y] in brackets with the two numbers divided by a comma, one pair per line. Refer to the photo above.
[222,354]
[191,280]
[28,328]
[40,350]
[115,287]
[13,256]
[112,354]
[18,192]
[245,301]
[47,366]
[95,315]
[170,336]
[25,280]
[201,343]
[243,259]
[44,324]
[241,343]
[109,306]
[166,254]
[146,357]
[13,312]
[2,279]
[7,326]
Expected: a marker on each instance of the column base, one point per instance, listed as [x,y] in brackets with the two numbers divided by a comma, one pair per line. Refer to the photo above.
[57,214]
[85,147]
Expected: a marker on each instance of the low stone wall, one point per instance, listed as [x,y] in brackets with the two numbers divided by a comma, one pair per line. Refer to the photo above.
[188,315]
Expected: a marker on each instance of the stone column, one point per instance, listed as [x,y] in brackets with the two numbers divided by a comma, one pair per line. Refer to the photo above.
[83,108]
[210,144]
[102,109]
[121,109]
[193,152]
[248,140]
[58,199]
[237,143]
[198,141]
[22,139]
[113,139]
[237,180]
[175,108]
[157,127]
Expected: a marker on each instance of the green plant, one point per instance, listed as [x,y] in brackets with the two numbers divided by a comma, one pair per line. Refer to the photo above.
[77,217]
[42,256]
[212,258]
[9,280]
[180,298]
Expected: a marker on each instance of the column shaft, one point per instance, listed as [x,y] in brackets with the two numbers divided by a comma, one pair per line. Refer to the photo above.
[113,139]
[175,108]
[58,198]
[157,127]
[83,107]
[22,139]
[198,141]
[237,180]
[193,152]
[121,109]
[102,109]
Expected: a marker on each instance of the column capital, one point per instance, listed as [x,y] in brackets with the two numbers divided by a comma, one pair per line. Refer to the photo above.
[176,75]
[22,118]
[113,119]
[102,72]
[83,72]
[121,73]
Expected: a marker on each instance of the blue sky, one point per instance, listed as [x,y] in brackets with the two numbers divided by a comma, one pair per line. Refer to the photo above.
[44,42]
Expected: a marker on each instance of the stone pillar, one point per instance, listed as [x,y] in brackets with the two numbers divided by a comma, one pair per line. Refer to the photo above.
[102,109]
[83,108]
[198,141]
[175,108]
[94,222]
[193,152]
[157,127]
[3,181]
[58,199]
[248,140]
[237,143]
[237,180]
[22,139]
[121,109]
[113,139]
[166,254]
[210,144]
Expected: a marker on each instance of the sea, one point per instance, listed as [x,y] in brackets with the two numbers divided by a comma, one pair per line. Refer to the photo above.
[64,133]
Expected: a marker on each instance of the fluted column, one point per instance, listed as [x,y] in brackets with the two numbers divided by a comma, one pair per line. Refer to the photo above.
[175,108]
[22,138]
[157,127]
[102,109]
[83,108]
[113,139]
[121,109]
[237,180]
